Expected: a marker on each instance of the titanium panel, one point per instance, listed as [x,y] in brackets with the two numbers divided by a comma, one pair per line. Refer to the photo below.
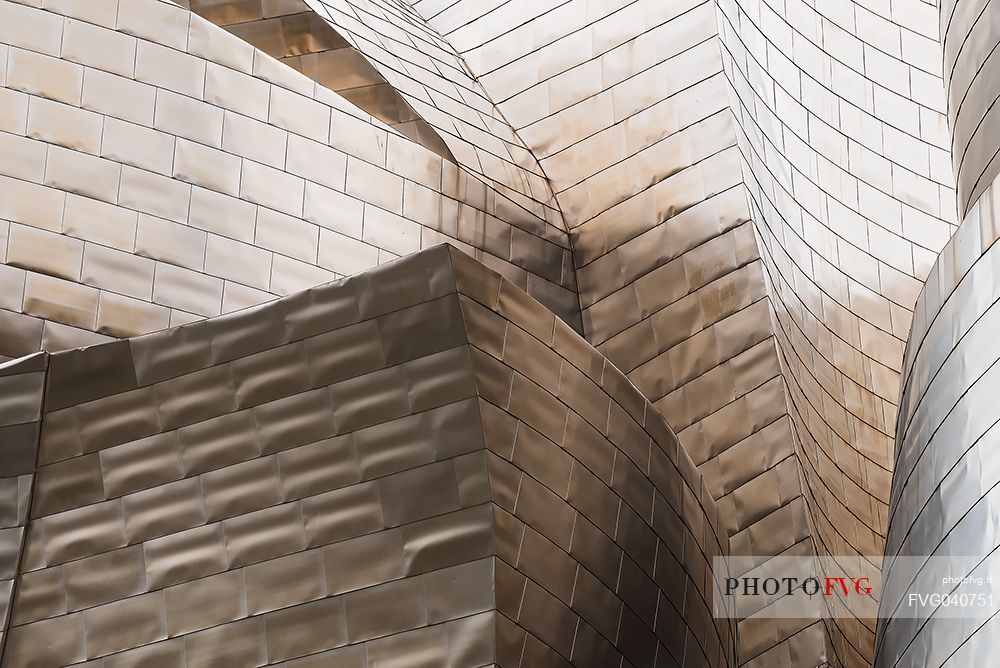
[252,504]
[22,384]
[177,173]
[295,35]
[971,71]
[840,118]
[234,177]
[625,106]
[944,487]
[434,81]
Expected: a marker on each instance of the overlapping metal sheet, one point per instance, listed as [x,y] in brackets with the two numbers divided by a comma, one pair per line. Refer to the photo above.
[416,462]
[944,499]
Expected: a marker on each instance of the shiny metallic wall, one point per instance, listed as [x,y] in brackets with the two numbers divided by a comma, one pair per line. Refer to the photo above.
[157,170]
[625,106]
[972,74]
[291,32]
[419,461]
[22,384]
[618,527]
[944,492]
[839,111]
[435,81]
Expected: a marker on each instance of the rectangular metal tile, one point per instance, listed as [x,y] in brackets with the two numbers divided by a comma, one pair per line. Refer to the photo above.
[419,493]
[343,513]
[364,561]
[269,584]
[307,629]
[385,609]
[205,602]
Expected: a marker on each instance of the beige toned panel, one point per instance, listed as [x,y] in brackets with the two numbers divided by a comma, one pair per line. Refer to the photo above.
[172,242]
[117,271]
[187,290]
[82,174]
[240,464]
[316,162]
[27,157]
[208,167]
[221,214]
[272,188]
[45,252]
[119,97]
[186,117]
[298,114]
[333,210]
[170,69]
[255,140]
[137,145]
[60,300]
[35,30]
[234,90]
[287,235]
[154,194]
[97,46]
[344,254]
[45,76]
[14,114]
[119,316]
[160,22]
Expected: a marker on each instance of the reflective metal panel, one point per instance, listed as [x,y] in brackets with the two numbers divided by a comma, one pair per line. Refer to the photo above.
[972,77]
[839,111]
[234,177]
[260,501]
[943,490]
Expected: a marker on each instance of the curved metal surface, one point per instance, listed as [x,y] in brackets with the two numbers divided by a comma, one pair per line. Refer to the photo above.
[299,38]
[419,461]
[625,106]
[156,170]
[752,267]
[22,389]
[436,82]
[944,499]
[599,475]
[971,35]
[839,114]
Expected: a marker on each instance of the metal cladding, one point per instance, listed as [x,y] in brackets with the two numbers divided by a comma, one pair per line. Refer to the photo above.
[972,71]
[944,494]
[22,384]
[840,118]
[735,202]
[418,463]
[299,38]
[159,170]
[431,76]
[626,107]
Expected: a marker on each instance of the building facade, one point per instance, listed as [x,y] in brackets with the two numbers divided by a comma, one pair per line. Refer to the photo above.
[705,293]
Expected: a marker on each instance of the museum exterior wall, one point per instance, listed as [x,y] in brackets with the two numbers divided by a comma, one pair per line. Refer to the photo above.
[944,491]
[418,461]
[972,75]
[839,111]
[157,170]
